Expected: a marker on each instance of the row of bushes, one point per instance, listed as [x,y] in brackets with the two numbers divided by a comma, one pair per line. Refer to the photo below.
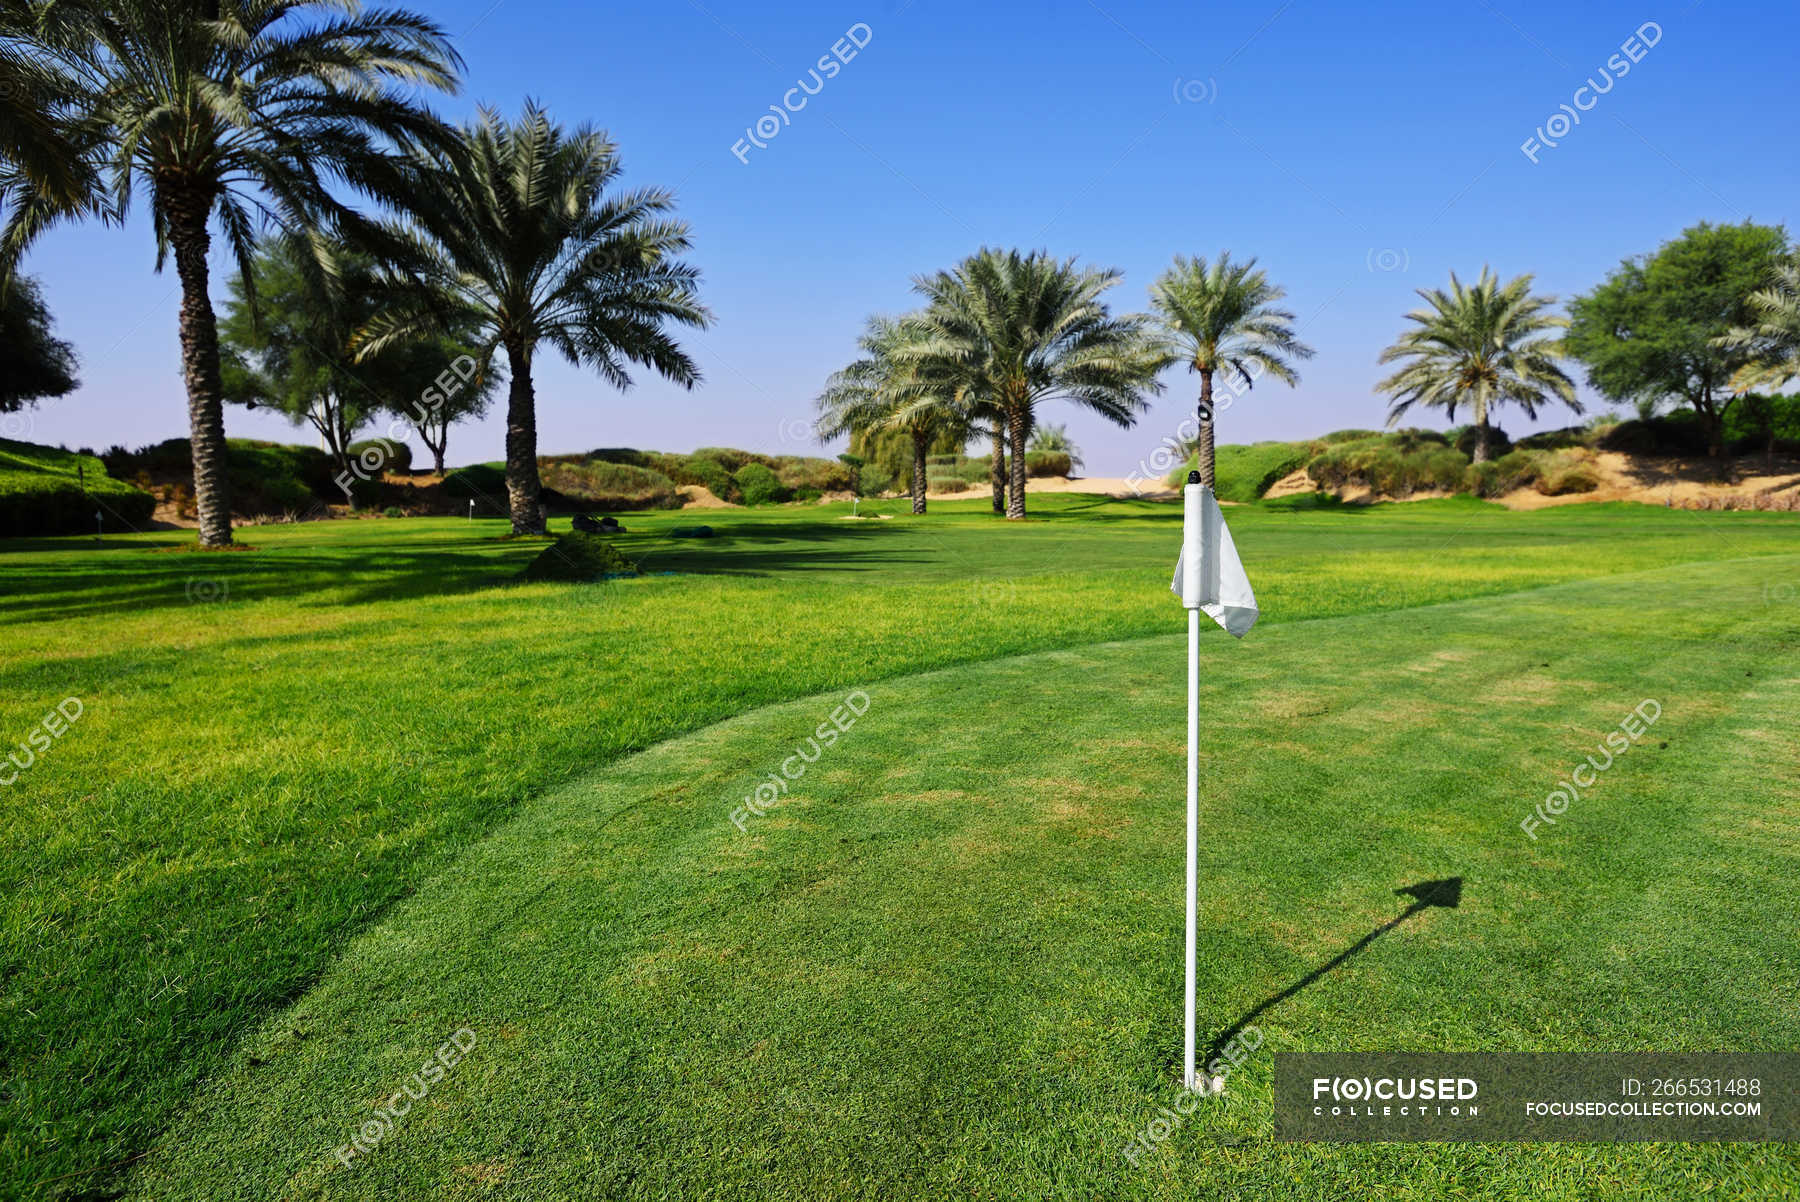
[265,477]
[1402,463]
[44,490]
[718,470]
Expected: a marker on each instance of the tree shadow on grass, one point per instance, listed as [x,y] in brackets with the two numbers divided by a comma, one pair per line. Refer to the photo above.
[79,579]
[1446,893]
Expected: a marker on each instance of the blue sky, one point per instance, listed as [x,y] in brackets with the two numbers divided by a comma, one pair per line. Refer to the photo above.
[1359,152]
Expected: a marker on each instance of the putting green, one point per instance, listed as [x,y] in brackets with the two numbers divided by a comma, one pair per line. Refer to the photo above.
[947,961]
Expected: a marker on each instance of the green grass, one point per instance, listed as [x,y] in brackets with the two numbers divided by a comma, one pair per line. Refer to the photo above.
[377,710]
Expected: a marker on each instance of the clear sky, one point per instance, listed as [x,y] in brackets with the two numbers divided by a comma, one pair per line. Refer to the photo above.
[1359,151]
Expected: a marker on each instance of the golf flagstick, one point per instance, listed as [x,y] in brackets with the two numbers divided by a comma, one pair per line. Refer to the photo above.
[1208,579]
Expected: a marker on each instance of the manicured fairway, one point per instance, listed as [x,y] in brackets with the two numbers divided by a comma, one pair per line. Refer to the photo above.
[952,967]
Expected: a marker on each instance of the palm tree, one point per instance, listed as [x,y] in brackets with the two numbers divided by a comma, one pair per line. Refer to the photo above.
[231,110]
[1222,316]
[1017,330]
[518,225]
[885,390]
[1479,345]
[43,159]
[1774,339]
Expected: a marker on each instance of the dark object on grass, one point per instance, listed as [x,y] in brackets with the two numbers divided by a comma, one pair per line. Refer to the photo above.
[691,532]
[579,557]
[606,525]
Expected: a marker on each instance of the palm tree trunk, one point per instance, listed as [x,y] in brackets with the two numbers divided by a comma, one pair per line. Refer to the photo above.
[1018,428]
[523,488]
[1206,427]
[186,213]
[921,444]
[997,469]
[1483,440]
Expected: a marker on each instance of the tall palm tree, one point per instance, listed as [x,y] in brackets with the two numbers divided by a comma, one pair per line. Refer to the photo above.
[1015,331]
[1222,317]
[1774,338]
[519,225]
[230,111]
[1479,345]
[885,389]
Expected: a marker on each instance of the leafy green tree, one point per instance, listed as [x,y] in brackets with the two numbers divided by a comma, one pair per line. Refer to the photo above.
[290,348]
[519,225]
[884,392]
[1654,332]
[462,384]
[34,364]
[1479,345]
[295,350]
[1014,331]
[1223,317]
[229,110]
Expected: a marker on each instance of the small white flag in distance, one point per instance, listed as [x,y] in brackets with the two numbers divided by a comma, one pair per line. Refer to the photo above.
[1208,575]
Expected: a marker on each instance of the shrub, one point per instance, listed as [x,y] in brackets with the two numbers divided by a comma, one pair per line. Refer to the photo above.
[265,477]
[1245,473]
[577,557]
[1047,463]
[604,486]
[393,511]
[383,455]
[946,484]
[807,494]
[1498,477]
[730,459]
[48,491]
[1394,466]
[1463,439]
[1564,472]
[1674,434]
[481,482]
[873,480]
[803,472]
[709,474]
[629,456]
[1556,440]
[758,484]
[1337,436]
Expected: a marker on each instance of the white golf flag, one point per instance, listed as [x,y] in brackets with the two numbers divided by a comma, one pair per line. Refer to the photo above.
[1208,576]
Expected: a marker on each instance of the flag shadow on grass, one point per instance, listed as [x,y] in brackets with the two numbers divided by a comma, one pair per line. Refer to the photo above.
[1446,893]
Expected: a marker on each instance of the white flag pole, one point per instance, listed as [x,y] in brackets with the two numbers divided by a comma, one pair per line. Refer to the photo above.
[1193,562]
